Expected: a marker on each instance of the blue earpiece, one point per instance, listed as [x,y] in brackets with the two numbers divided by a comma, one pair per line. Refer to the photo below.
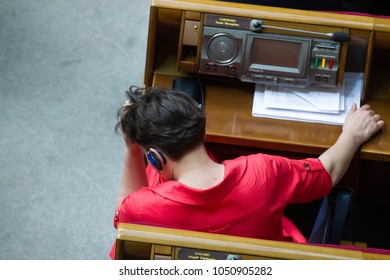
[155,161]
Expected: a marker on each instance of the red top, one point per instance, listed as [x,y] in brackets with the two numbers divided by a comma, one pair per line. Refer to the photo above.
[249,202]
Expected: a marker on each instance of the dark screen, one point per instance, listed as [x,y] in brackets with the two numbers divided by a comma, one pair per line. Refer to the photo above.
[276,53]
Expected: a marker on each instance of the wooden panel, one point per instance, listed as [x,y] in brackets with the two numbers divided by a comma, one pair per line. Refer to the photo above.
[381,58]
[150,51]
[372,256]
[374,188]
[266,12]
[249,247]
[378,148]
[382,24]
[382,40]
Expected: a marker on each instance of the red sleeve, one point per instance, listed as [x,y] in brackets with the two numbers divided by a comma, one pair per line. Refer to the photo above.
[309,180]
[126,212]
[297,181]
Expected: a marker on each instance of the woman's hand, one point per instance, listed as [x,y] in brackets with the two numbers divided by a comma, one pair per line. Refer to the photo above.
[361,124]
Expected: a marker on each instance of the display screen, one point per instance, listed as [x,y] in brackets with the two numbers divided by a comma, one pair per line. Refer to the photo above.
[280,57]
[278,53]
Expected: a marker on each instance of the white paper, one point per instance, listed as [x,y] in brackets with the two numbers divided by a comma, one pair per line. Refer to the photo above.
[351,93]
[312,99]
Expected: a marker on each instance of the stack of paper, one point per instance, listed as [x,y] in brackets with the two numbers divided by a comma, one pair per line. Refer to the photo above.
[312,104]
[307,99]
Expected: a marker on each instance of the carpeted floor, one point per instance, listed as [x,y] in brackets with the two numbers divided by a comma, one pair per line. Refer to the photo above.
[64,68]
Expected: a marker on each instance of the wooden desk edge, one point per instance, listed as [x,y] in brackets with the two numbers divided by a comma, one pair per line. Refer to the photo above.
[234,244]
[268,12]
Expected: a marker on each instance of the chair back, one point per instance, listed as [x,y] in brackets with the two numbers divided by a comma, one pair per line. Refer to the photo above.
[332,217]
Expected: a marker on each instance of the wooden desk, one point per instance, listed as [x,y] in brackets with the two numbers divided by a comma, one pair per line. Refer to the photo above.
[228,102]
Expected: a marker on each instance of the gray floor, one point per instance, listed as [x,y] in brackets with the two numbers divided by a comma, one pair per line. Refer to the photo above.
[64,67]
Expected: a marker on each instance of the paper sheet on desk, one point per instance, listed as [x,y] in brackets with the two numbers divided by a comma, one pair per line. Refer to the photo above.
[312,99]
[351,93]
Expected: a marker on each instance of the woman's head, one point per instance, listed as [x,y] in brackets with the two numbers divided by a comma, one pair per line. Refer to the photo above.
[163,119]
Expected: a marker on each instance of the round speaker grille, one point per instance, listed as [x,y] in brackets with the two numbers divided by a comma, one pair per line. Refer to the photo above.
[222,48]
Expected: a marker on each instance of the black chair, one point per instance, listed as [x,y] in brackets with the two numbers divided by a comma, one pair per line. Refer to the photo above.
[334,217]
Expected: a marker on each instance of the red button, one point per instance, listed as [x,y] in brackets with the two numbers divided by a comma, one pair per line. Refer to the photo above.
[330,63]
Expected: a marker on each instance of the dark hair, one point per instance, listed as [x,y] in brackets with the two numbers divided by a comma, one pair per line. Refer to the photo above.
[164,119]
